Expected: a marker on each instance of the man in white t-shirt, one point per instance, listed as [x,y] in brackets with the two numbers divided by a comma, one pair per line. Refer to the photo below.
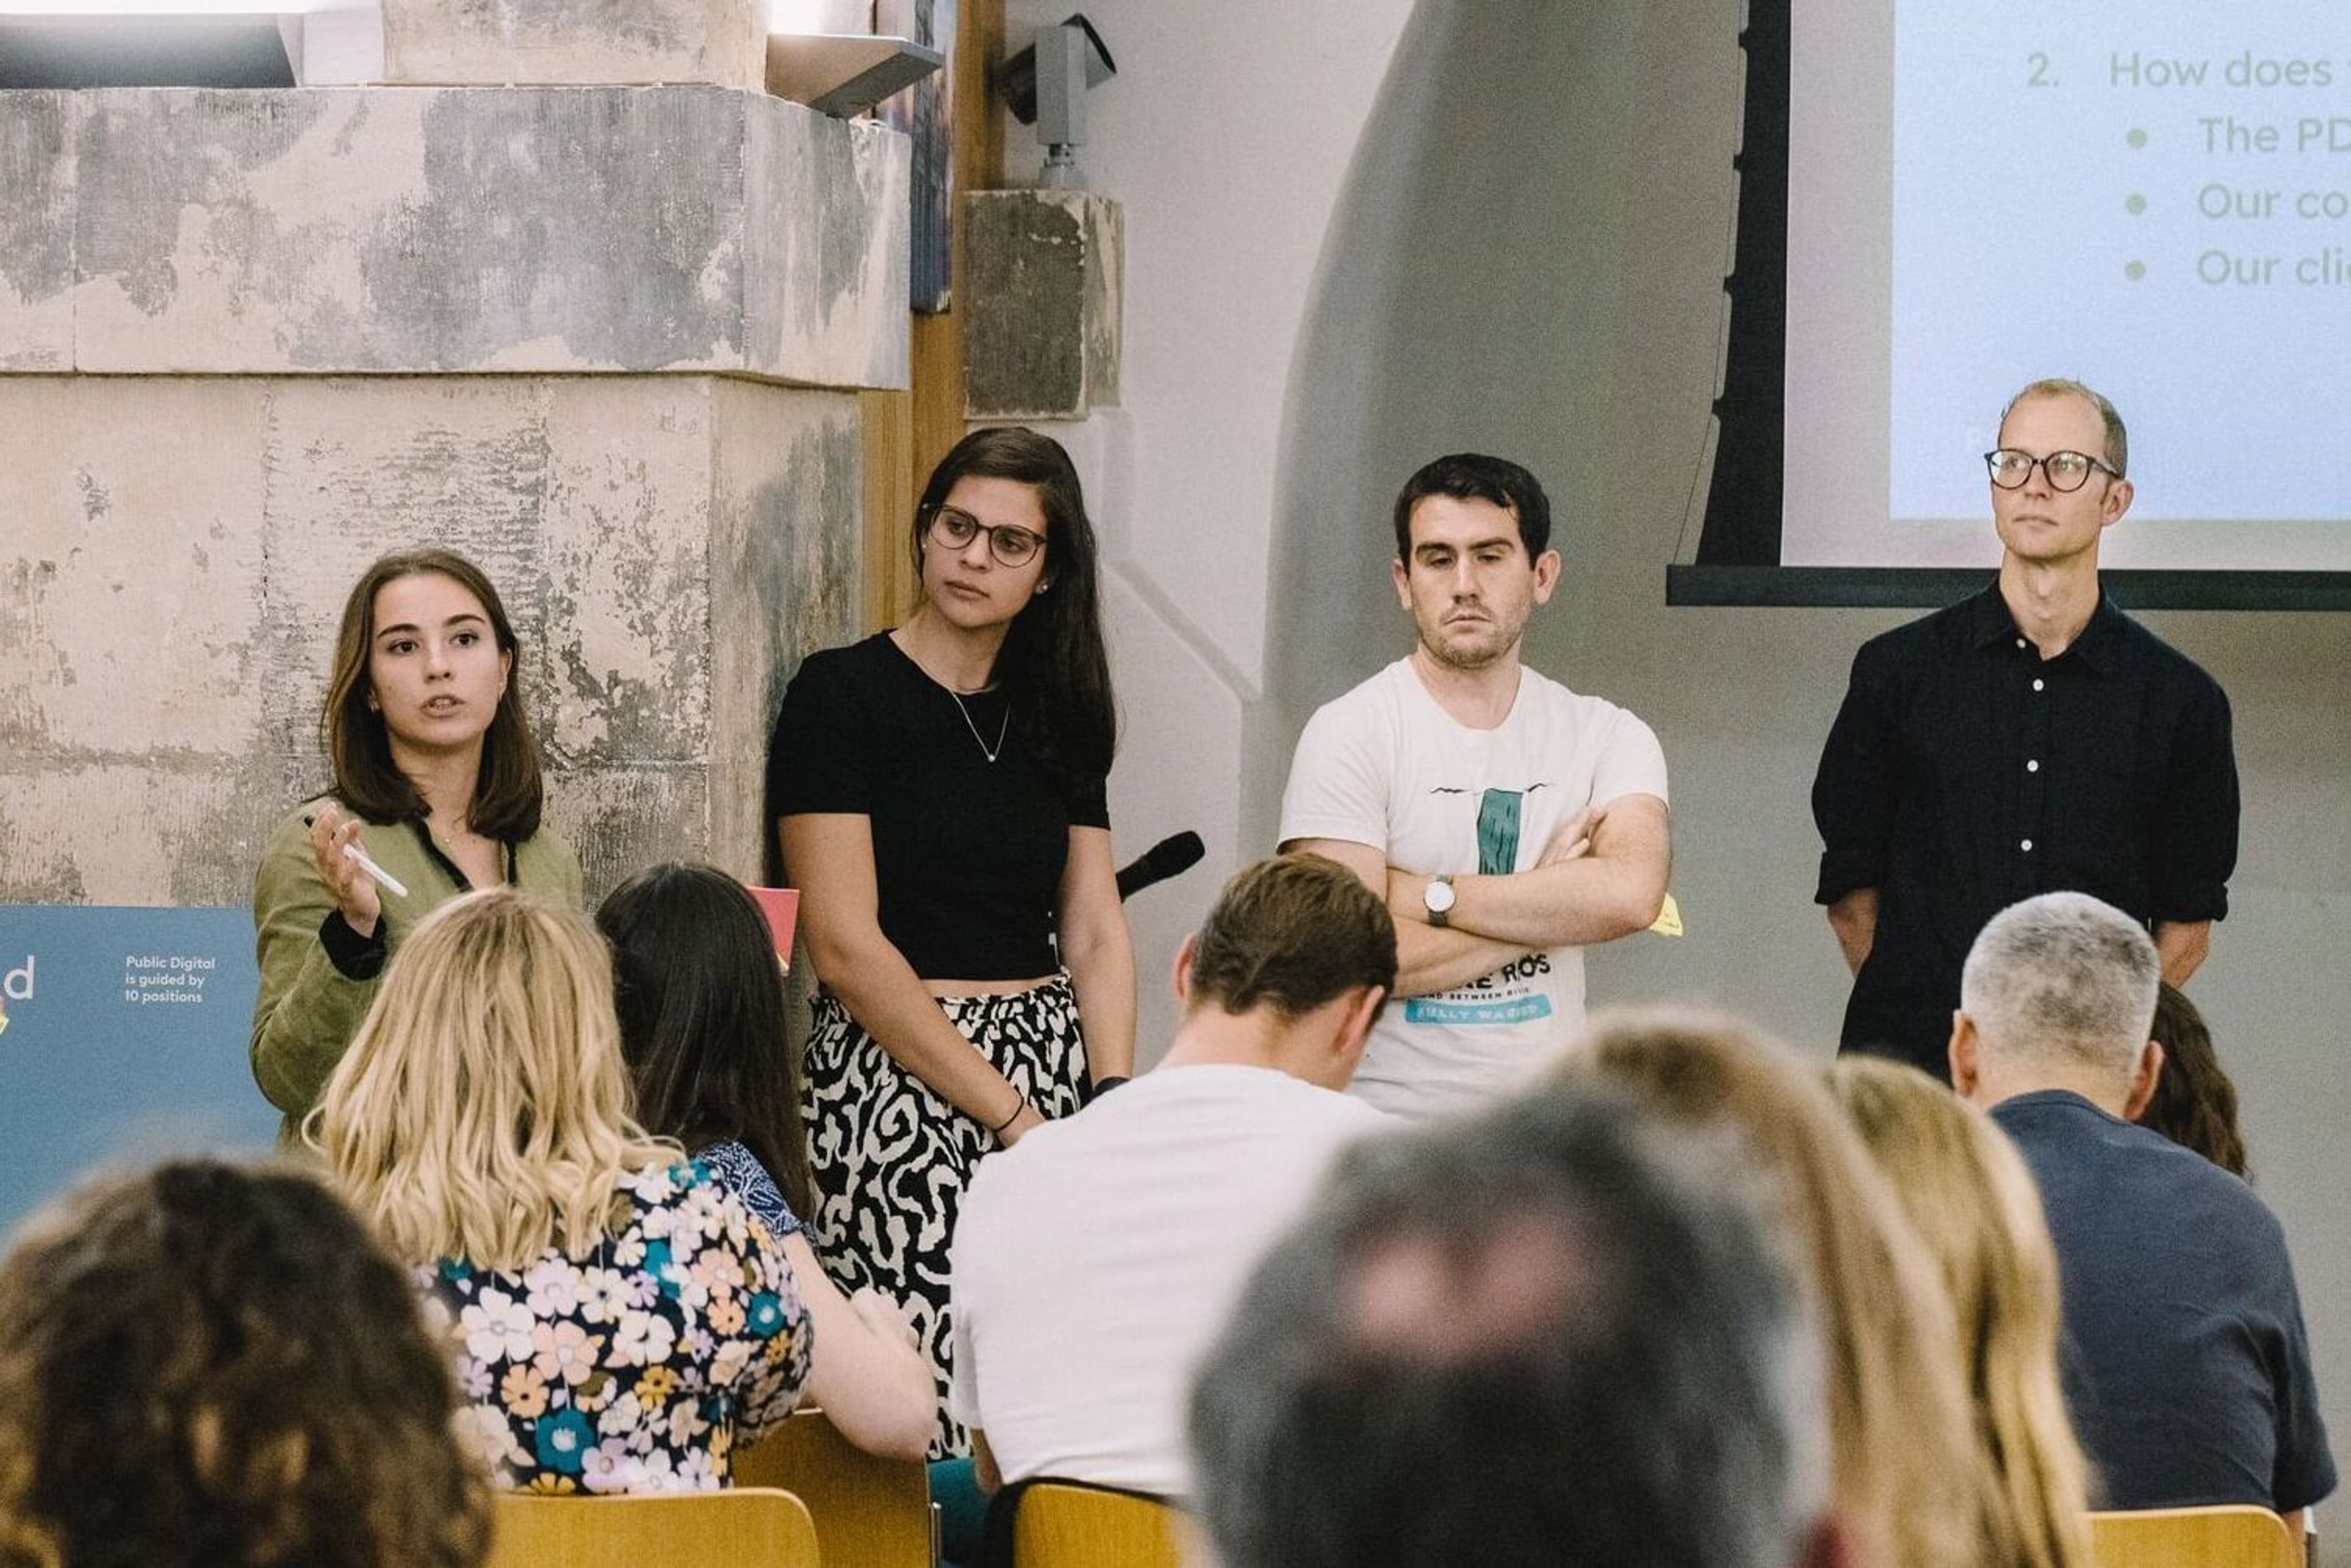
[1507,822]
[1093,1262]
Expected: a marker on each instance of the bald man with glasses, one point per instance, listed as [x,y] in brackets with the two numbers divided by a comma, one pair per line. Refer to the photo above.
[2029,740]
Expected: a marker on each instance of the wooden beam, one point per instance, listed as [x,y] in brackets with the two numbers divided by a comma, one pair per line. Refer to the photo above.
[907,433]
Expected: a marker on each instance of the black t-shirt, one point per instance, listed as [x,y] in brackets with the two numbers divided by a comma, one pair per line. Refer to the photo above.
[967,853]
[1964,772]
[2187,1366]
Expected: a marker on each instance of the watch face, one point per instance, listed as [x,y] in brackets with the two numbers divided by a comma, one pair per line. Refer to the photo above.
[1439,897]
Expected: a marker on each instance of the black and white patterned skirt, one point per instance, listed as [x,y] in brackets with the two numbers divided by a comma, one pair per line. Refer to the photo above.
[890,1156]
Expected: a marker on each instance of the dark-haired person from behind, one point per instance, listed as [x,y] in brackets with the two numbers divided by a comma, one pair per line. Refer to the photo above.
[436,779]
[1095,1261]
[2194,1103]
[1542,1338]
[701,1004]
[209,1366]
[940,790]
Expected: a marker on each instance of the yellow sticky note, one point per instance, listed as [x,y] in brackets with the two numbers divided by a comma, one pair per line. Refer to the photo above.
[1669,919]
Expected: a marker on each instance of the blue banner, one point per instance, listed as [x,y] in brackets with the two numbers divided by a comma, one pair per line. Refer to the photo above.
[124,1041]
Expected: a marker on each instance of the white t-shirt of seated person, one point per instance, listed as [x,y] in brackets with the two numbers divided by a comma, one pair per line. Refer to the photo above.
[1095,1261]
[1385,766]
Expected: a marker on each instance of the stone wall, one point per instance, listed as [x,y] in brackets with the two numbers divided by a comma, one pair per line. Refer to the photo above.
[602,339]
[179,551]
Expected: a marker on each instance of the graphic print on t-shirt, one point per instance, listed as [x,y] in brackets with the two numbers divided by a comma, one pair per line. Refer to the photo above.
[1509,995]
[1498,831]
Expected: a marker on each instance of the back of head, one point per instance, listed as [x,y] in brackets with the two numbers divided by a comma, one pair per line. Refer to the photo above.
[2194,1103]
[1291,934]
[1969,1197]
[1897,1411]
[482,1110]
[1474,476]
[700,1001]
[1531,1338]
[2060,986]
[204,1365]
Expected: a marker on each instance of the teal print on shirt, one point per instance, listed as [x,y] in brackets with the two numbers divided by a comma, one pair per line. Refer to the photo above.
[1497,855]
[1498,831]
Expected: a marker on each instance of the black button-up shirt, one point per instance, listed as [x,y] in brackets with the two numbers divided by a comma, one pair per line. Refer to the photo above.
[1964,772]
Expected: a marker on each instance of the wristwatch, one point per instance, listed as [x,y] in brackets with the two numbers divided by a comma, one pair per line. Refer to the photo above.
[1437,899]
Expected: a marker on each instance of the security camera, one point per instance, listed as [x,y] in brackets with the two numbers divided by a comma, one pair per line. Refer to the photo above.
[1045,85]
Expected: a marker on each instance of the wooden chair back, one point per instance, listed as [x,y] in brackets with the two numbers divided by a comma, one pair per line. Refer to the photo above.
[869,1512]
[2230,1537]
[738,1528]
[1062,1526]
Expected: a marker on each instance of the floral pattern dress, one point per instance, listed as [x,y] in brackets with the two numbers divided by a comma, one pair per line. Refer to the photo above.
[638,1368]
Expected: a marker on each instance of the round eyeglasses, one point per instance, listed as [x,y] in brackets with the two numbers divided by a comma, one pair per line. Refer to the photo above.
[2067,471]
[1010,545]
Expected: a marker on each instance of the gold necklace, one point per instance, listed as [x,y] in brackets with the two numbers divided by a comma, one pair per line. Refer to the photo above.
[1001,730]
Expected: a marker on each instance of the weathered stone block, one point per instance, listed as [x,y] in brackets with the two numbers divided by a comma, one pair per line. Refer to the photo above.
[548,42]
[1041,299]
[179,551]
[779,590]
[360,467]
[130,566]
[826,247]
[36,259]
[621,818]
[156,829]
[437,230]
[624,640]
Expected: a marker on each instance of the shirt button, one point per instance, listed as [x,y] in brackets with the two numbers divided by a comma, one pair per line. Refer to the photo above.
[2026,846]
[2019,641]
[2032,765]
[2037,683]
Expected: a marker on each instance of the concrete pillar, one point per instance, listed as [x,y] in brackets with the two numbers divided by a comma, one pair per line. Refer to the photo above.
[605,339]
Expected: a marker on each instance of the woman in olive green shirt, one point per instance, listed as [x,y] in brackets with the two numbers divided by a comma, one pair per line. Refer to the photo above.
[436,780]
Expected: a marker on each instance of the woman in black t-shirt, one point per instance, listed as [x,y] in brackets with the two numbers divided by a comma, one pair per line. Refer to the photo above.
[940,792]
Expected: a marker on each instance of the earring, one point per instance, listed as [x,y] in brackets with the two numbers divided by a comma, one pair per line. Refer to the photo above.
[374,706]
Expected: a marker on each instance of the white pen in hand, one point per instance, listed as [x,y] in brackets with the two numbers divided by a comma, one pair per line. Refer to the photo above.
[358,857]
[361,858]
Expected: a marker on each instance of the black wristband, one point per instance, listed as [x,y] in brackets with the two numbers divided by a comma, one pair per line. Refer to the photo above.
[1103,1087]
[998,1130]
[354,957]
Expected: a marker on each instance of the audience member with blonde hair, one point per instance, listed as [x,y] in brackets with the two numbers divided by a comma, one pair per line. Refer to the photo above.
[209,1366]
[1971,1200]
[617,1319]
[1898,1423]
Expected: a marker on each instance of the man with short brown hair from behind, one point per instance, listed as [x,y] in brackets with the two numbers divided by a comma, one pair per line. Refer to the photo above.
[1092,1262]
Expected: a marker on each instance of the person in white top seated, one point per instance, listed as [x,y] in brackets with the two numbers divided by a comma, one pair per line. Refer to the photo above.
[1508,822]
[1095,1261]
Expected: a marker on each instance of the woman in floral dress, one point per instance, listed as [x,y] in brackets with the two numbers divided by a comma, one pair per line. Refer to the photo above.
[618,1320]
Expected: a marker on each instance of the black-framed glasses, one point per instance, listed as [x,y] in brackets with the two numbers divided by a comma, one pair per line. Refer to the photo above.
[1010,545]
[2067,470]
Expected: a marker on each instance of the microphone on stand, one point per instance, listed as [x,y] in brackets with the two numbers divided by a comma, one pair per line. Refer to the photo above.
[1168,857]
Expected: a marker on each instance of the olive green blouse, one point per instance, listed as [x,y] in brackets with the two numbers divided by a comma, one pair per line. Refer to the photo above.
[308,1009]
